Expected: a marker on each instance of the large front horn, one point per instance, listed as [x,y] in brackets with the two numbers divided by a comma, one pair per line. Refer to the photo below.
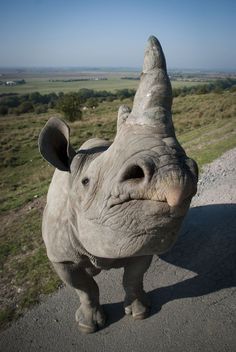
[153,99]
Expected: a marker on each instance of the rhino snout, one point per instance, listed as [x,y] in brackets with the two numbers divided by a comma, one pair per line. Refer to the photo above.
[142,179]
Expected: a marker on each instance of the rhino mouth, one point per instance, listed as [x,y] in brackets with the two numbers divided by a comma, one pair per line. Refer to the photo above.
[155,207]
[131,227]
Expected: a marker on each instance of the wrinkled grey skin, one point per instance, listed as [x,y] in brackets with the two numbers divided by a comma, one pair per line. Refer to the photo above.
[116,205]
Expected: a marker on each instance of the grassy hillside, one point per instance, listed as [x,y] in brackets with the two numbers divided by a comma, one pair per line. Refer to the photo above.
[205,126]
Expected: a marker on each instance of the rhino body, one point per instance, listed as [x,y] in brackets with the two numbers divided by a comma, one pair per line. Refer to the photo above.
[117,204]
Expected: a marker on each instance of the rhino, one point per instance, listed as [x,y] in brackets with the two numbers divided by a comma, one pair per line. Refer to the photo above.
[113,205]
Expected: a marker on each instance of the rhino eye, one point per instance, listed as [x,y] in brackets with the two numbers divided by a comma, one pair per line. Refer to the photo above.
[85,181]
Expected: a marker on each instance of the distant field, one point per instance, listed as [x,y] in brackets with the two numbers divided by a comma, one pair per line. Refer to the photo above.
[43,86]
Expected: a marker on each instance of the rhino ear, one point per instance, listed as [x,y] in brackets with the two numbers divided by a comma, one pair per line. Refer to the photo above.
[54,144]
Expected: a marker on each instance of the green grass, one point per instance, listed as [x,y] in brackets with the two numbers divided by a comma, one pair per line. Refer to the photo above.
[24,267]
[22,169]
[214,150]
[205,126]
[43,85]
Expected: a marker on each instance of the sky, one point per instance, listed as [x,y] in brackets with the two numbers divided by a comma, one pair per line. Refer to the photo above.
[197,34]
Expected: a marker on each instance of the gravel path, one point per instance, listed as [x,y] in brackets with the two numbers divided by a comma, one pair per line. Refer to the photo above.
[221,176]
[192,289]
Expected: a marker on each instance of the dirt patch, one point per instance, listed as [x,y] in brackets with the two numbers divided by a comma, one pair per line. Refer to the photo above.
[7,218]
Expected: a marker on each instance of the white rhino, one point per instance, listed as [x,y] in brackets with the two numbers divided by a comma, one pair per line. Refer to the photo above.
[113,205]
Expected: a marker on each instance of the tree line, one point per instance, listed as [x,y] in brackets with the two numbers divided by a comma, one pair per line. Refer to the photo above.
[71,104]
[68,103]
[217,86]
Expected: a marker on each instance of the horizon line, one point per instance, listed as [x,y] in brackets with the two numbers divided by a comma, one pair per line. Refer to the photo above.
[125,68]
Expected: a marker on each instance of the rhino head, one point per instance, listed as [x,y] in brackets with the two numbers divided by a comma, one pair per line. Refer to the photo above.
[127,198]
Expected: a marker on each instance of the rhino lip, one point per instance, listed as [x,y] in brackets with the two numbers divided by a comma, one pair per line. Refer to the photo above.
[122,199]
[172,212]
[119,203]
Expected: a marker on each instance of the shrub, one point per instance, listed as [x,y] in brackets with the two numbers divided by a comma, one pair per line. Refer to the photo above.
[12,101]
[92,102]
[125,93]
[25,107]
[3,110]
[40,108]
[36,98]
[70,105]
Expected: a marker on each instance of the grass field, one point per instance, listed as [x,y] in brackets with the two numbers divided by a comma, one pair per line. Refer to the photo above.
[43,85]
[205,125]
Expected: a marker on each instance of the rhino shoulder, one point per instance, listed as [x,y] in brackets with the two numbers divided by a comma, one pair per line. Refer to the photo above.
[58,191]
[55,229]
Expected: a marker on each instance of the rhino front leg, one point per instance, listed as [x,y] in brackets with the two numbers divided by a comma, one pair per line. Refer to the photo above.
[136,300]
[90,315]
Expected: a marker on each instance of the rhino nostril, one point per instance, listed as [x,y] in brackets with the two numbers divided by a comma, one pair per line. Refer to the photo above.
[133,172]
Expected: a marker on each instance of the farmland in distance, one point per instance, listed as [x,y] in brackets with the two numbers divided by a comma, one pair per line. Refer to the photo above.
[46,81]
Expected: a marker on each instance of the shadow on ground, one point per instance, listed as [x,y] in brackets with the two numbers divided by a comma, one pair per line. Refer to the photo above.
[207,247]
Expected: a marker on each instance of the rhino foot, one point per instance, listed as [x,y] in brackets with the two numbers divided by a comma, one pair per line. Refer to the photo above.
[90,319]
[139,308]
